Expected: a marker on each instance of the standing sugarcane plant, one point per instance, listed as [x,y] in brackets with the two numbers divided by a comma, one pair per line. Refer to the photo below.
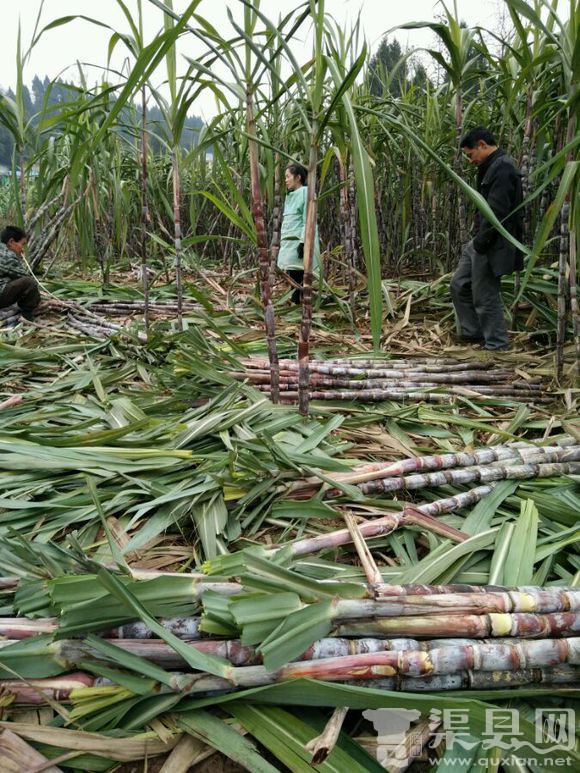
[144,207]
[135,43]
[224,51]
[316,96]
[312,92]
[264,262]
[460,66]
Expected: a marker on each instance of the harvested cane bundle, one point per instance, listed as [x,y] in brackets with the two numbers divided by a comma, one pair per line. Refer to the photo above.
[376,381]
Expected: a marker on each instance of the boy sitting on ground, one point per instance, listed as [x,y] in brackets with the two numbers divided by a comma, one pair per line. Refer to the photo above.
[16,284]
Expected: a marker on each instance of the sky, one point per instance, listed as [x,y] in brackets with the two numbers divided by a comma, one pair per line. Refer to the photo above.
[59,49]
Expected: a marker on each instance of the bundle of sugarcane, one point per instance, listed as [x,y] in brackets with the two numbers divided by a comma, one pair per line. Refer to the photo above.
[369,655]
[521,461]
[9,315]
[388,665]
[411,379]
[77,317]
[96,326]
[127,308]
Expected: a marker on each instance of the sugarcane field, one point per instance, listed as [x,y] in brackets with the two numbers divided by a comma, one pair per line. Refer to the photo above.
[289,357]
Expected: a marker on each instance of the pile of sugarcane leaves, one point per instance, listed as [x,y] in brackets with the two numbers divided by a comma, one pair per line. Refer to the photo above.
[186,567]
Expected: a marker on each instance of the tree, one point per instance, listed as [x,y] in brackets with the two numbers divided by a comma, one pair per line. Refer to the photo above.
[388,69]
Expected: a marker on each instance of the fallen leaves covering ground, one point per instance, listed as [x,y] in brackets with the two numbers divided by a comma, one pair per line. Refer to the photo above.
[148,453]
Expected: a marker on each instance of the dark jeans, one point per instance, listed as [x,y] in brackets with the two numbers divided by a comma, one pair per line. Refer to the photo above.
[23,291]
[477,299]
[298,276]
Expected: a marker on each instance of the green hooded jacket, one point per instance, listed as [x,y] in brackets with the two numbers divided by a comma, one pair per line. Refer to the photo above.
[292,232]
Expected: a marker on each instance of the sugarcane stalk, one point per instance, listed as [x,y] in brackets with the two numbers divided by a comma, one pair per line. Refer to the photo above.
[573,289]
[559,677]
[563,676]
[384,371]
[10,403]
[9,582]
[477,657]
[538,602]
[143,179]
[22,628]
[177,234]
[276,220]
[261,241]
[309,240]
[72,653]
[50,234]
[379,527]
[420,381]
[352,246]
[36,691]
[483,456]
[91,330]
[413,589]
[390,522]
[348,228]
[567,246]
[369,396]
[520,624]
[469,474]
[410,392]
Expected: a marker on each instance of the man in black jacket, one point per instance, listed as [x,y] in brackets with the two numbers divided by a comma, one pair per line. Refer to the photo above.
[475,286]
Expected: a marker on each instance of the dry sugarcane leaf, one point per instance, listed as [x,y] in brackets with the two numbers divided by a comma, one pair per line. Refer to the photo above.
[187,752]
[136,747]
[17,756]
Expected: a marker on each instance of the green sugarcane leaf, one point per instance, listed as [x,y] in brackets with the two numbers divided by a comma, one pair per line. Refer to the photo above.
[519,568]
[30,658]
[211,519]
[469,753]
[555,208]
[258,614]
[113,545]
[129,660]
[142,712]
[555,544]
[315,438]
[481,516]
[217,733]
[135,684]
[196,659]
[366,211]
[293,636]
[309,692]
[265,575]
[246,228]
[430,568]
[500,554]
[311,508]
[286,736]
[561,505]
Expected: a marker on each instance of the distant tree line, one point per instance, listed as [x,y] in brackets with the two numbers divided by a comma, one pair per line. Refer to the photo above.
[44,95]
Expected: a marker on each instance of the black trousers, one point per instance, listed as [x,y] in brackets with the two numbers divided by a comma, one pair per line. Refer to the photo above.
[477,299]
[297,275]
[23,291]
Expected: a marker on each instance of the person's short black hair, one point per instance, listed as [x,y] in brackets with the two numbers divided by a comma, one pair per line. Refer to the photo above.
[472,137]
[12,232]
[298,171]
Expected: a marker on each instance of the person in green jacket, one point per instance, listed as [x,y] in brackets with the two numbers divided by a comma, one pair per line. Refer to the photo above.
[291,255]
[16,284]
